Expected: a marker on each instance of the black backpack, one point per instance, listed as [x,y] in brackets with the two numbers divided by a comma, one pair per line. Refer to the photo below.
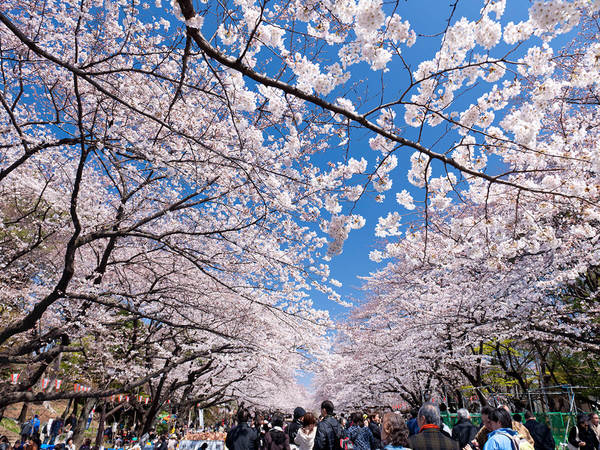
[339,437]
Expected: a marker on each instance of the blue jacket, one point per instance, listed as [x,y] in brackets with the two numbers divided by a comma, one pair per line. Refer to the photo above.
[498,440]
[413,426]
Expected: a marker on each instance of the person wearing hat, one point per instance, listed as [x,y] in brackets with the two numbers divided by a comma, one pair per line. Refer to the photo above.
[292,429]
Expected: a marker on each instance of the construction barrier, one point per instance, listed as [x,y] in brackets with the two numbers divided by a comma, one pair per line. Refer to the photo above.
[560,423]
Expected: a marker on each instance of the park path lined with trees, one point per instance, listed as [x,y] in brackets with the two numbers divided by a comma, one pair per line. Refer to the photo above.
[175,180]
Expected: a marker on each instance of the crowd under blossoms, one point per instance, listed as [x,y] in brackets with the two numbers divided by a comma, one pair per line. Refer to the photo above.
[175,181]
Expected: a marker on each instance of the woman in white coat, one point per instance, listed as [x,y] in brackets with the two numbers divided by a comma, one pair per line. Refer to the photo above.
[305,439]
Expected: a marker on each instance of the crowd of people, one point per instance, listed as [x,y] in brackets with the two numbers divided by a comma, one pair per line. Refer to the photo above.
[424,430]
[33,435]
[57,434]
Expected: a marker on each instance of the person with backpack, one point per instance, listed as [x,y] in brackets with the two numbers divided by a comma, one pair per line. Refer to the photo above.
[360,434]
[276,438]
[26,430]
[305,438]
[502,436]
[329,431]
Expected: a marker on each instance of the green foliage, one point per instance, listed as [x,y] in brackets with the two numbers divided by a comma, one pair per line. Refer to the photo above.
[162,428]
[10,424]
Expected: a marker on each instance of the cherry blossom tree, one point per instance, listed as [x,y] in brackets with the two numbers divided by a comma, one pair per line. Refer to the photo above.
[181,166]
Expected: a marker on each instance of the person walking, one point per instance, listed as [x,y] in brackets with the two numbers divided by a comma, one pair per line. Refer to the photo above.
[296,424]
[502,436]
[55,429]
[329,431]
[305,438]
[541,434]
[359,433]
[430,436]
[482,434]
[242,437]
[582,436]
[375,427]
[26,430]
[36,424]
[394,432]
[412,424]
[464,431]
[276,438]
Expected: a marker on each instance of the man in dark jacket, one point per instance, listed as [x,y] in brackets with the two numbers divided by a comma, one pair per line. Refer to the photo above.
[375,427]
[329,431]
[242,437]
[464,431]
[541,434]
[292,429]
[430,437]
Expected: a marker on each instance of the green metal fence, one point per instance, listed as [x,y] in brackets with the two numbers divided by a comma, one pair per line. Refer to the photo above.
[559,423]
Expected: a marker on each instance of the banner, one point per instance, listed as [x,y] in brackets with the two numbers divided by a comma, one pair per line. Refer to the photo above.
[14,377]
[76,387]
[197,445]
[57,384]
[45,383]
[201,418]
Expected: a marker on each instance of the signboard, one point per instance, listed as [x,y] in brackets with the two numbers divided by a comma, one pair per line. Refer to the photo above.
[196,445]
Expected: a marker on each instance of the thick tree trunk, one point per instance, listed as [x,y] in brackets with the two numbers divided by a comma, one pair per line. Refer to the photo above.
[23,413]
[101,420]
[63,416]
[154,405]
[79,429]
[75,408]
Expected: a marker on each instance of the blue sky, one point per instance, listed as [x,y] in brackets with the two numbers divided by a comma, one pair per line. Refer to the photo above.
[427,18]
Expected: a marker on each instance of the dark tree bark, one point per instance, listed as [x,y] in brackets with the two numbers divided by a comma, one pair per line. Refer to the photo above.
[23,413]
[101,420]
[63,416]
[79,428]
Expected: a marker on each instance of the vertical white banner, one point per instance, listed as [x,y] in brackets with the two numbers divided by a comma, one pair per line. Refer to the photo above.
[201,418]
